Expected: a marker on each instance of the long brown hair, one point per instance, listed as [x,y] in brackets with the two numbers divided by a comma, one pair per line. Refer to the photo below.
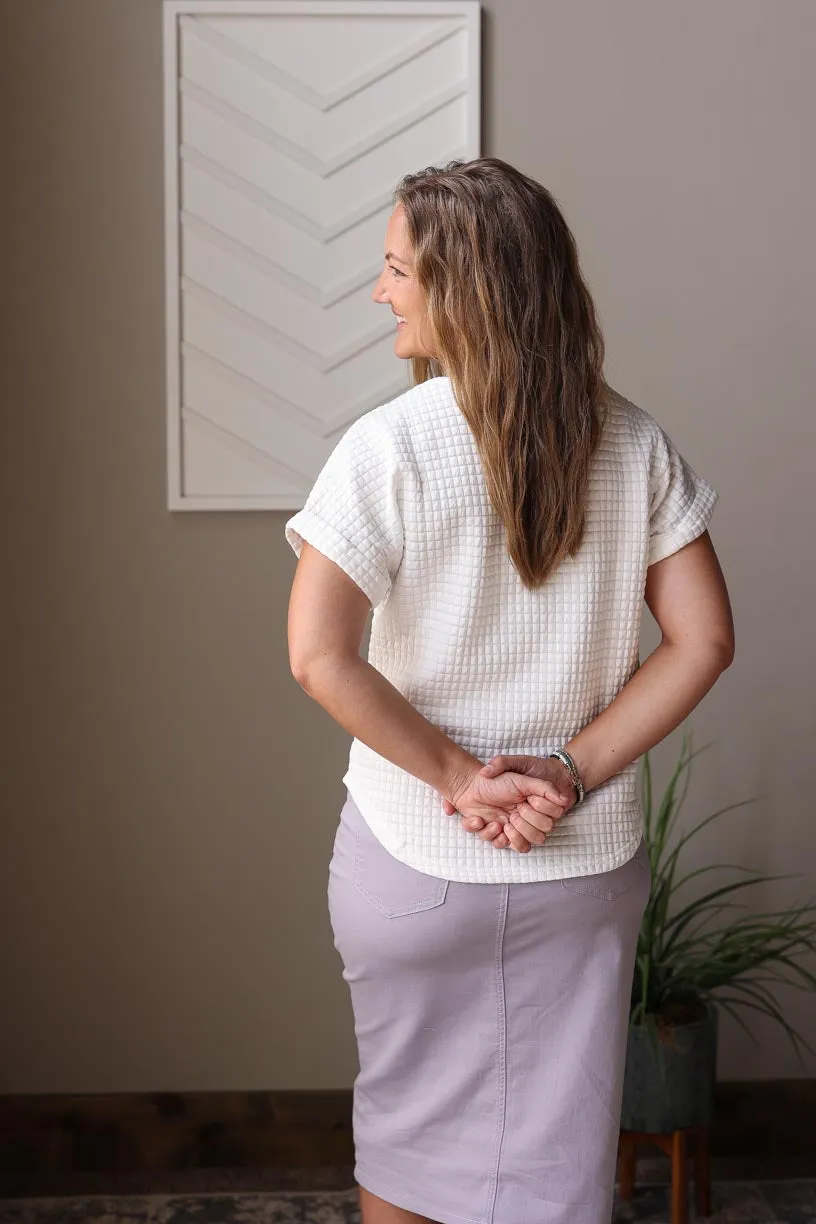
[513,325]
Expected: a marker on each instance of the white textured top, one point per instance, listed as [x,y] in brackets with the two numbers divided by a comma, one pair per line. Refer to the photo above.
[402,507]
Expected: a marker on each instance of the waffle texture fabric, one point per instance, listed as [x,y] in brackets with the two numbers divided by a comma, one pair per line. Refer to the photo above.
[402,507]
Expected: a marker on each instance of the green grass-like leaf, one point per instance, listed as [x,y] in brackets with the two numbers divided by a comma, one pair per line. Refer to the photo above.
[682,957]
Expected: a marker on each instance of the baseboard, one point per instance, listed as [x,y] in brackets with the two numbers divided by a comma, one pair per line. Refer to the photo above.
[771,1121]
[174,1130]
[767,1119]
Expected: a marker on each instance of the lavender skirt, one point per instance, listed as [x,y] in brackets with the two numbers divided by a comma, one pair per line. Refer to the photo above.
[491,1027]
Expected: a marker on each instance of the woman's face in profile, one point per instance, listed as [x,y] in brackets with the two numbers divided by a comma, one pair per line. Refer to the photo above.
[397,287]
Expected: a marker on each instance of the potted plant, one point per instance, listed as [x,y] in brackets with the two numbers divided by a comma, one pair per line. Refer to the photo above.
[690,963]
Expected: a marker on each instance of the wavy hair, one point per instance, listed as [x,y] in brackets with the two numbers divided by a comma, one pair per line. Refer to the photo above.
[513,325]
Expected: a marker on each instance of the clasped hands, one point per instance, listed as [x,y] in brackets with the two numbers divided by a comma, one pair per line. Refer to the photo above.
[513,801]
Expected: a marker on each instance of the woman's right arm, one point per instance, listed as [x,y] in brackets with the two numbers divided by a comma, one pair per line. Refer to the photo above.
[687,596]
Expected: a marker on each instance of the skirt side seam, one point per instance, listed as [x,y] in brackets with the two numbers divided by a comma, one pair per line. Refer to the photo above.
[501,1052]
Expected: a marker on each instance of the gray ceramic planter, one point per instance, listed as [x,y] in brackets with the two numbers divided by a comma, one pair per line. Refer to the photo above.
[669,1085]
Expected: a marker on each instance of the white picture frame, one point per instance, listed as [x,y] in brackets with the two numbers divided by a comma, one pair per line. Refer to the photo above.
[273,133]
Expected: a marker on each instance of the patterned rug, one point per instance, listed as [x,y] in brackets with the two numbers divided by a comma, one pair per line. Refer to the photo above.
[766,1202]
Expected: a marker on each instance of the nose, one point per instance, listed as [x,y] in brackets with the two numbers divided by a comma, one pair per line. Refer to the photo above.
[380,292]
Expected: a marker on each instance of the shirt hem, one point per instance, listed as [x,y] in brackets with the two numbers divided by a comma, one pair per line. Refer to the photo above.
[631,833]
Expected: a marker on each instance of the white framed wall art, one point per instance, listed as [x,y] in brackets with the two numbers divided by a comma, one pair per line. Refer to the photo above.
[287,126]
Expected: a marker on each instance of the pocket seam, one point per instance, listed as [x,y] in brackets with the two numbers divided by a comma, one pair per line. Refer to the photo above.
[439,895]
[582,885]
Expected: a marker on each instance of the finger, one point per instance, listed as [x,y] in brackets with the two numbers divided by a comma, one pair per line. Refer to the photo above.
[543,821]
[500,764]
[472,823]
[501,842]
[557,796]
[517,839]
[543,788]
[535,835]
[544,808]
[491,830]
[538,809]
[448,808]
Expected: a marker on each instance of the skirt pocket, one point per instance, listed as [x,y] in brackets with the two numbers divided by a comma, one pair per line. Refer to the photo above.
[392,887]
[611,884]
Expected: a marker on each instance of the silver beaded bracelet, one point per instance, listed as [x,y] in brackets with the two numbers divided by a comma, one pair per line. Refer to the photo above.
[575,778]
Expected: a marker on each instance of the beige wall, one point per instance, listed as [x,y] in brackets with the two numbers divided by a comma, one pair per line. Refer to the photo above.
[171,795]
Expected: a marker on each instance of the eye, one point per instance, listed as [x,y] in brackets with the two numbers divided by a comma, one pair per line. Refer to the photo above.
[396,271]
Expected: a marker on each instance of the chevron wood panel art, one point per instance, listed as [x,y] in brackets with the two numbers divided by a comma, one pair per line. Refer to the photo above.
[288,124]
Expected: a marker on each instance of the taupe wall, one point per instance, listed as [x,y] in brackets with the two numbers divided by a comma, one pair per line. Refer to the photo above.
[170,794]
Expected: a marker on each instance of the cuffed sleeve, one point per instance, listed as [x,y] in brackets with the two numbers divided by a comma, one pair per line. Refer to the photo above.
[681,502]
[352,515]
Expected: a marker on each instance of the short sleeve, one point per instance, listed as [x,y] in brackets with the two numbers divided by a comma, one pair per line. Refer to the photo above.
[352,515]
[681,503]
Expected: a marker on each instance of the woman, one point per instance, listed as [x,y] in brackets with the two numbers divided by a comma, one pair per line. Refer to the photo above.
[503,518]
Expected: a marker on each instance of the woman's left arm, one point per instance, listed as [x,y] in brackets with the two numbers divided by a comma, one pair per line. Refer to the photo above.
[327,618]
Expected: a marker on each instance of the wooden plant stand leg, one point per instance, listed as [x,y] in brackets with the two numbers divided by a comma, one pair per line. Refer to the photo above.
[676,1147]
[679,1178]
[627,1150]
[702,1171]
